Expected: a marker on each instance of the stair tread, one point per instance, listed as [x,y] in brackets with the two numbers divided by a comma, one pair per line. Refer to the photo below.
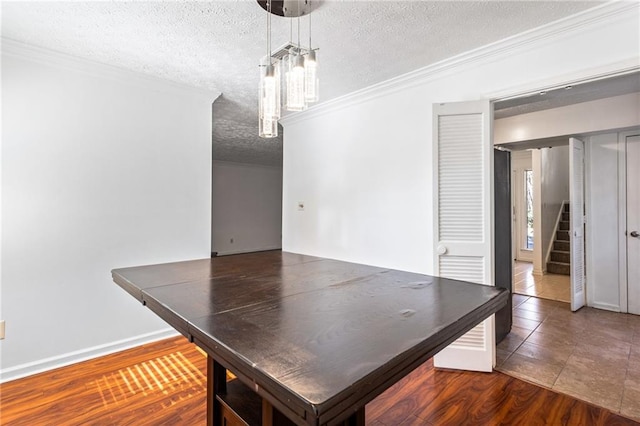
[561,248]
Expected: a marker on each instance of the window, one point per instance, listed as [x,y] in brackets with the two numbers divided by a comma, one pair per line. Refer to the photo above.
[528,190]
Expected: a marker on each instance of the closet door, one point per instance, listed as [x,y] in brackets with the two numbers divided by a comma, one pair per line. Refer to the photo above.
[463,218]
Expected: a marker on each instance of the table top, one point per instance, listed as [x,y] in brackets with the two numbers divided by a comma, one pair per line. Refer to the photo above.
[314,336]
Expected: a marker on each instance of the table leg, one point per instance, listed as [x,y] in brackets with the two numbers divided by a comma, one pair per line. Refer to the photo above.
[356,419]
[267,413]
[216,385]
[273,417]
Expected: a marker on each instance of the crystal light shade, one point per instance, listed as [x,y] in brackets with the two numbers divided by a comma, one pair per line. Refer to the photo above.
[268,128]
[269,101]
[295,80]
[311,82]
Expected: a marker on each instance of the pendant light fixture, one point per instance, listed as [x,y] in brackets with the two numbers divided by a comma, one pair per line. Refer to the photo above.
[295,65]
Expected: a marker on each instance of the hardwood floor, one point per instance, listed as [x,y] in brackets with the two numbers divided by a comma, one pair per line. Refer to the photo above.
[164,384]
[158,384]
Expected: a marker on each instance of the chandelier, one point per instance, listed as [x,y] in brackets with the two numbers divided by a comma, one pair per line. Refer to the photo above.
[288,75]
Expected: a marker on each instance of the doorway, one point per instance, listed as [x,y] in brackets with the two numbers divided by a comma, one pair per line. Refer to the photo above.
[532,115]
[540,193]
[246,187]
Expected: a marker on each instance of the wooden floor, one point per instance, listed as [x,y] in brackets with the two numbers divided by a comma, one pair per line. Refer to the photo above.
[164,384]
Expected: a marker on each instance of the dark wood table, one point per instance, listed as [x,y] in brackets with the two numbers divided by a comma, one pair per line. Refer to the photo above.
[310,340]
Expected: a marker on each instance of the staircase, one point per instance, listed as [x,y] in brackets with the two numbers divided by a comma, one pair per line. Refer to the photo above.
[560,261]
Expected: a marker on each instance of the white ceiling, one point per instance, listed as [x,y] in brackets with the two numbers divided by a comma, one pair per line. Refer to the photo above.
[217,45]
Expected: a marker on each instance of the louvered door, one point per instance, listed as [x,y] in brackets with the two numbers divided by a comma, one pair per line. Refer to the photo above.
[576,226]
[463,218]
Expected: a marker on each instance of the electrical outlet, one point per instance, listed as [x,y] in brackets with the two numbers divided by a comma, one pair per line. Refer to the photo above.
[1,329]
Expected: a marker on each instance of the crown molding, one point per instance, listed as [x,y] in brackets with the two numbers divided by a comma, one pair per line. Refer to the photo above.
[508,46]
[16,49]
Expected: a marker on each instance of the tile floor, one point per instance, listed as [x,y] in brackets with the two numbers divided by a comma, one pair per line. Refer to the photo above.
[592,355]
[549,286]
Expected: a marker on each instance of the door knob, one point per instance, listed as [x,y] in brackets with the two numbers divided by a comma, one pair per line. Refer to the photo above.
[634,234]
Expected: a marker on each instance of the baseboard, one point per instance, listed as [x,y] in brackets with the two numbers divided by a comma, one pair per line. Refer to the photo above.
[35,367]
[539,272]
[255,250]
[606,307]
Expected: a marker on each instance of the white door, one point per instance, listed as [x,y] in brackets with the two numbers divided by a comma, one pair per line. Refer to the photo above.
[576,217]
[633,224]
[463,217]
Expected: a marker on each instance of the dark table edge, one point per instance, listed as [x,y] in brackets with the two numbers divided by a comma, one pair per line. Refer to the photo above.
[126,285]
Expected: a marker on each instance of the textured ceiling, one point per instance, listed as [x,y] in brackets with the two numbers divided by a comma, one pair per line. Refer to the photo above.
[217,45]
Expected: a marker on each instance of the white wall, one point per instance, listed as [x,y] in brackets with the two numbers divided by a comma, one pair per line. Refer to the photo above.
[247,208]
[603,228]
[554,182]
[101,168]
[363,164]
[595,116]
